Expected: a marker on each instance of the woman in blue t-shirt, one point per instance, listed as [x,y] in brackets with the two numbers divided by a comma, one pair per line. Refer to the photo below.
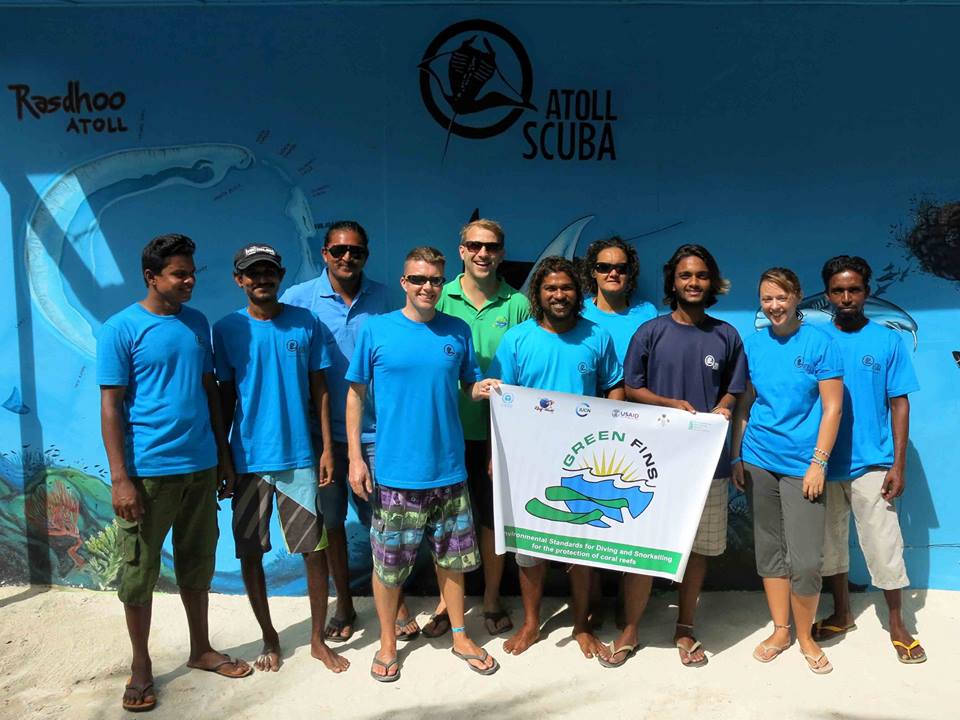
[610,271]
[793,400]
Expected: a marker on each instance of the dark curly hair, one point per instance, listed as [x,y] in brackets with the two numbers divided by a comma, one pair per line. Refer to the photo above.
[598,246]
[718,284]
[552,264]
[842,263]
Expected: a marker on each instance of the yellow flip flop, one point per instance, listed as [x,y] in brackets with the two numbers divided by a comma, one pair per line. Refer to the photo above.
[909,659]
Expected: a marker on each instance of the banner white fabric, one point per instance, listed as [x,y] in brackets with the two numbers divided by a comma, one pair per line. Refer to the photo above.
[612,484]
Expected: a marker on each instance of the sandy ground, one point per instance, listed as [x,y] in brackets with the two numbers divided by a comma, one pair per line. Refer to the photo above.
[63,653]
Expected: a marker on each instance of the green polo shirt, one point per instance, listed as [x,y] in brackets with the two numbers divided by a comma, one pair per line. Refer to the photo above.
[488,325]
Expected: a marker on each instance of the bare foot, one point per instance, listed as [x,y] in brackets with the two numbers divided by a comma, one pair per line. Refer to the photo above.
[590,646]
[522,639]
[269,660]
[322,652]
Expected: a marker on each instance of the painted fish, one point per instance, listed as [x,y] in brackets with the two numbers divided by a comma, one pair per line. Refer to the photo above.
[817,310]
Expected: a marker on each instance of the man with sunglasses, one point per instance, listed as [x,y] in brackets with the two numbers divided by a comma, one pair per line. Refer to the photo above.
[270,360]
[480,298]
[344,298]
[417,359]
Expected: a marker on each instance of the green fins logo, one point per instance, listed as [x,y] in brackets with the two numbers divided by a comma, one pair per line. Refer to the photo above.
[603,476]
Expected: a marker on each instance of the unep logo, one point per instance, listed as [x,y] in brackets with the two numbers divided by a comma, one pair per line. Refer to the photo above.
[604,478]
[455,71]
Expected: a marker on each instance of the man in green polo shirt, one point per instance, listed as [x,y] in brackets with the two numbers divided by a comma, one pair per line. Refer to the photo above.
[490,307]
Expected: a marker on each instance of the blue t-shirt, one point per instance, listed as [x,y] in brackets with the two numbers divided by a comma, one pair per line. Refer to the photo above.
[582,361]
[877,367]
[269,362]
[785,418]
[344,324]
[161,360]
[697,363]
[621,326]
[416,369]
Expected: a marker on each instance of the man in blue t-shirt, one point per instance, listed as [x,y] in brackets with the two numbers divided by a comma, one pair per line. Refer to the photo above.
[162,432]
[270,360]
[416,358]
[558,350]
[344,298]
[866,471]
[690,361]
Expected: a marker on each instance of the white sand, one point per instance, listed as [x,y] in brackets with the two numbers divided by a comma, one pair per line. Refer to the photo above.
[64,653]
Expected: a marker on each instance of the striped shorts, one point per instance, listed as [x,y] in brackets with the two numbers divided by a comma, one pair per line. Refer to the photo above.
[401,518]
[253,495]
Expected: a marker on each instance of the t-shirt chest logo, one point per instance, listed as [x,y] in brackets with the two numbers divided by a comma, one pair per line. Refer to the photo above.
[584,368]
[449,350]
[500,322]
[711,362]
[293,347]
[870,364]
[801,365]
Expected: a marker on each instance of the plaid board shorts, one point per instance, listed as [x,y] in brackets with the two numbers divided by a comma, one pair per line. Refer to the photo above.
[303,531]
[711,538]
[401,518]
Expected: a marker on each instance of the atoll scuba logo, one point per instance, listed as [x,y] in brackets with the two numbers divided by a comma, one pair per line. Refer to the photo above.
[583,409]
[448,350]
[583,368]
[605,477]
[798,361]
[869,362]
[292,346]
[711,362]
[500,322]
[459,70]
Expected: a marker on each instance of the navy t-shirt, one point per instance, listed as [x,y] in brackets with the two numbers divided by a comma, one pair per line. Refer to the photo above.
[697,363]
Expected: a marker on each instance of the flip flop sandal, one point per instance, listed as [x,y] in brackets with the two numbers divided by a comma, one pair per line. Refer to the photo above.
[908,658]
[482,658]
[218,668]
[439,625]
[630,651]
[823,631]
[760,652]
[386,668]
[336,625]
[492,620]
[689,651]
[146,698]
[814,663]
[401,623]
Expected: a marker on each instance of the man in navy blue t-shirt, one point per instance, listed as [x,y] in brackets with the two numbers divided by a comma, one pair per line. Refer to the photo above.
[270,359]
[162,431]
[866,471]
[690,361]
[416,359]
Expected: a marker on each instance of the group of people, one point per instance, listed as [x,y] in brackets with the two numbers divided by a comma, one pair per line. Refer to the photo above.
[325,396]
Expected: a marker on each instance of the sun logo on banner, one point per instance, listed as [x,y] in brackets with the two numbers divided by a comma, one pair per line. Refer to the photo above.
[600,485]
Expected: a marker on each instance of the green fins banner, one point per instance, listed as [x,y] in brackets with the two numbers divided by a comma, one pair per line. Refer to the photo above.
[598,482]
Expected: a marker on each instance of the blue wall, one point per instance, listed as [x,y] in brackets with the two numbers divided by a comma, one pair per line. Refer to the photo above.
[775,135]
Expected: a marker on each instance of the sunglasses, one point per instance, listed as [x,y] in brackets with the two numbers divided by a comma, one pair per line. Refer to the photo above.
[473,246]
[356,251]
[607,268]
[418,280]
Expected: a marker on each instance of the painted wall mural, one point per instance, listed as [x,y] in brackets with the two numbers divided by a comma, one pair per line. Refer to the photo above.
[775,135]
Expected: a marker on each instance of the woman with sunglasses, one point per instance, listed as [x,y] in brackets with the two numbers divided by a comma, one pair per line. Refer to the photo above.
[610,272]
[793,401]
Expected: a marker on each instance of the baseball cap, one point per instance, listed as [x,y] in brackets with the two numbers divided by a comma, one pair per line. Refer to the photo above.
[253,253]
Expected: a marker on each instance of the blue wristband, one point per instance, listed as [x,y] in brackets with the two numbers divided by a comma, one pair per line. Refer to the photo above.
[737,459]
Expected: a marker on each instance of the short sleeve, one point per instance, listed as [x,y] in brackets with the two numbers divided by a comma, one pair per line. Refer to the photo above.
[736,380]
[469,369]
[361,364]
[522,308]
[113,357]
[609,369]
[504,363]
[221,356]
[901,378]
[203,331]
[829,362]
[321,346]
[635,361]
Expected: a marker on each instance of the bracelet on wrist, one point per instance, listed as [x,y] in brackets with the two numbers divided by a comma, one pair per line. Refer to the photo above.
[822,453]
[737,459]
[818,461]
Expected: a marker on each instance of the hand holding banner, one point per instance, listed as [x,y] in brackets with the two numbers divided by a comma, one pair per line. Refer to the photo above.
[606,483]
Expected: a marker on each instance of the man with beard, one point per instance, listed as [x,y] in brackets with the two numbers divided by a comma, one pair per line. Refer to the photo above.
[344,298]
[270,360]
[866,471]
[690,361]
[557,350]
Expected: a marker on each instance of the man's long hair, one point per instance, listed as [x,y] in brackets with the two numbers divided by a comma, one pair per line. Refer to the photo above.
[552,264]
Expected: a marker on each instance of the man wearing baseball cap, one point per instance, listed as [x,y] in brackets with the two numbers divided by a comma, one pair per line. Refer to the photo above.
[270,359]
